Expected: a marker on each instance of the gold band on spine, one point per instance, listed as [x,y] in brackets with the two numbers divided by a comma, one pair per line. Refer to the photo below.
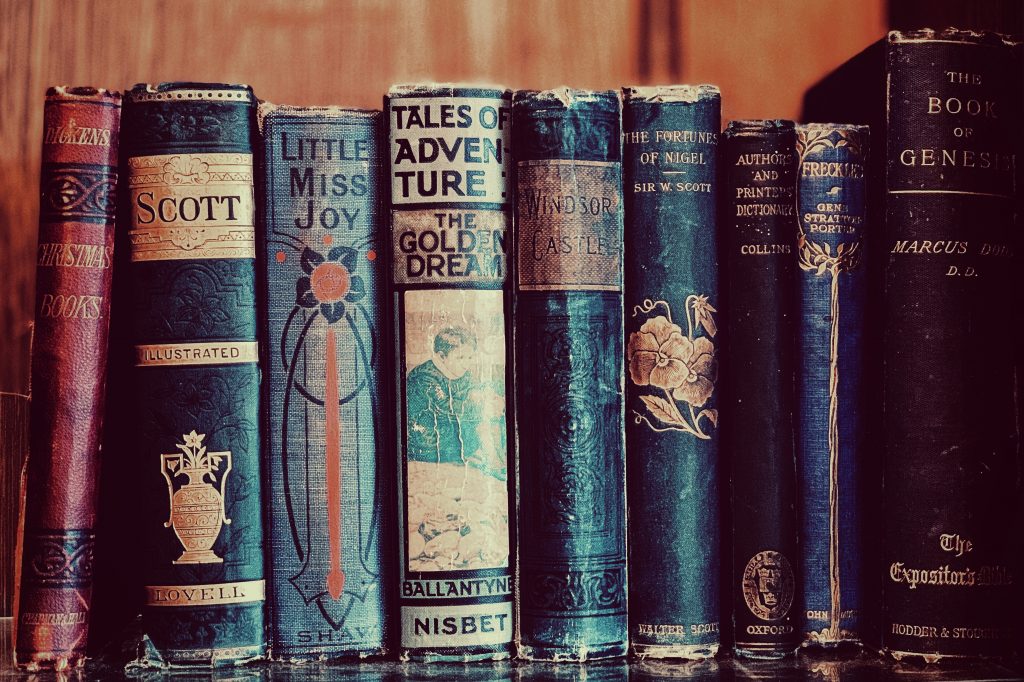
[197,353]
[206,595]
[193,94]
[192,244]
[191,206]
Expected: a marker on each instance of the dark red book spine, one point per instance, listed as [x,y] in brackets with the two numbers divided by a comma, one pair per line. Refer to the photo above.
[69,359]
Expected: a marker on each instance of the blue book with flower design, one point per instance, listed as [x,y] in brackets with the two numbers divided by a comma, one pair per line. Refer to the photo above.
[831,192]
[326,461]
[670,140]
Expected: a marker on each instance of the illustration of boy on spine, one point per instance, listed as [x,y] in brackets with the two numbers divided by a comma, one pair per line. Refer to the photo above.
[457,499]
[454,418]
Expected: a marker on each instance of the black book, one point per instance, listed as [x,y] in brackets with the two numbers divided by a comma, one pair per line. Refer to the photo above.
[759,234]
[950,114]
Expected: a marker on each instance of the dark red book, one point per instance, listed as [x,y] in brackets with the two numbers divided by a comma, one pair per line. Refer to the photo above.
[69,358]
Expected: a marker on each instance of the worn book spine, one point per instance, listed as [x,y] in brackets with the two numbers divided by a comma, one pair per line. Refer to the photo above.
[759,164]
[569,393]
[952,445]
[450,175]
[194,402]
[670,183]
[69,359]
[832,215]
[327,454]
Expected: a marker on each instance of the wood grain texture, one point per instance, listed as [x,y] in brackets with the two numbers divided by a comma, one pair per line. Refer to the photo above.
[13,449]
[765,55]
[313,52]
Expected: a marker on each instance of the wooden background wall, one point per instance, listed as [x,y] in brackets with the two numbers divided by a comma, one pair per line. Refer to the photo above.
[762,54]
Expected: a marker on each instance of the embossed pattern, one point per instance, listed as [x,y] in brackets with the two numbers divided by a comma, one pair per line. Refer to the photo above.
[193,300]
[78,193]
[188,125]
[569,390]
[215,517]
[577,591]
[59,559]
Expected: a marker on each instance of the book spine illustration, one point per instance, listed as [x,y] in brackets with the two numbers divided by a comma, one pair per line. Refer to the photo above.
[451,199]
[327,448]
[569,394]
[195,386]
[831,209]
[952,444]
[69,358]
[671,311]
[759,164]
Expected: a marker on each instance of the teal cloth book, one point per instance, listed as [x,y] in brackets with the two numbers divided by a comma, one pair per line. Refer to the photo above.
[327,460]
[670,185]
[194,396]
[569,398]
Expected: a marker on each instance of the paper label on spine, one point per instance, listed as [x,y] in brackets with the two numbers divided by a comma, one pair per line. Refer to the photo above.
[206,595]
[569,225]
[450,247]
[196,353]
[191,206]
[455,431]
[449,150]
[469,625]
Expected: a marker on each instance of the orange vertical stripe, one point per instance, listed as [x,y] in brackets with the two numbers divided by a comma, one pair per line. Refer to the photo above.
[335,577]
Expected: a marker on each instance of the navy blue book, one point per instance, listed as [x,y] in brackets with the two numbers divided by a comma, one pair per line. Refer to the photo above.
[194,402]
[568,343]
[327,455]
[759,242]
[831,192]
[450,172]
[670,145]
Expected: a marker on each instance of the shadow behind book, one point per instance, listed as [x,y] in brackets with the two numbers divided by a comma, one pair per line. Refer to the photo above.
[855,93]
[117,598]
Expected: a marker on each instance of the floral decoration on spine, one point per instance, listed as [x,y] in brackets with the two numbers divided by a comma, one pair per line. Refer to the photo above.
[684,368]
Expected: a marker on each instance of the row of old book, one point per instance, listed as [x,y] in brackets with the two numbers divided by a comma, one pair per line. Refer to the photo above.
[379,383]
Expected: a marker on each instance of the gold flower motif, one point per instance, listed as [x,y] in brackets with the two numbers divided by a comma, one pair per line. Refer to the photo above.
[702,314]
[186,171]
[658,353]
[702,370]
[194,440]
[682,367]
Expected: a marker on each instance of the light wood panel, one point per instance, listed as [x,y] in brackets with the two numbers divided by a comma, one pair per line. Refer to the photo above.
[765,55]
[762,54]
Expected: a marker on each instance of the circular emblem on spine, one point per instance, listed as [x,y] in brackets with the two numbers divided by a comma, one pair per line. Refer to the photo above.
[768,585]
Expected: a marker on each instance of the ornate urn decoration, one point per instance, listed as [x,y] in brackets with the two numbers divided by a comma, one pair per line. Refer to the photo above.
[197,507]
